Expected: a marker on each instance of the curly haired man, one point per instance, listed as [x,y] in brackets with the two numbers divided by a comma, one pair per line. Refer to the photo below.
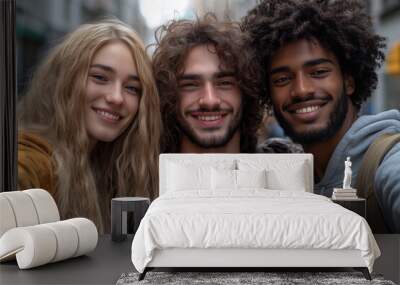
[209,94]
[318,62]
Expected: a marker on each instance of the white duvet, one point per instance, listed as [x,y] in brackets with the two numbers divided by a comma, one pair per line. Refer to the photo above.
[252,218]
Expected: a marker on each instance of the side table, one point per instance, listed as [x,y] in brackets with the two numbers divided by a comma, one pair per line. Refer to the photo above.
[358,205]
[119,209]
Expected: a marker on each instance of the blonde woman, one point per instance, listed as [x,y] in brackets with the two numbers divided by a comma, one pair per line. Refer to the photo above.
[90,123]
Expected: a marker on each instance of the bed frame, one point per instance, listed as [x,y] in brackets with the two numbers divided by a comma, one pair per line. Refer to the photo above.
[250,258]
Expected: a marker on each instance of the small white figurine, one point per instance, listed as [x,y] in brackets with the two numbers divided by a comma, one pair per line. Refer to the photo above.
[347,174]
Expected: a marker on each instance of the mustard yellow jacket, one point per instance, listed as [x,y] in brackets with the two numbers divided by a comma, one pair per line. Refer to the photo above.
[35,163]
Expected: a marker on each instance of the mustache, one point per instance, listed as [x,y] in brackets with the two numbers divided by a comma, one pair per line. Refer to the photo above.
[311,97]
[206,110]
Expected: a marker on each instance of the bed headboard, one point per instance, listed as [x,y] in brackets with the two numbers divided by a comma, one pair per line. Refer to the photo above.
[303,163]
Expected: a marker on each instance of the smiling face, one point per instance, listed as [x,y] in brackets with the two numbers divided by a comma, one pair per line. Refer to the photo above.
[112,92]
[210,103]
[309,94]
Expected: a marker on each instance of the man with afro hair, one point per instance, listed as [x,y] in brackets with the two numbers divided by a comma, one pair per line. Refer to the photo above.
[318,62]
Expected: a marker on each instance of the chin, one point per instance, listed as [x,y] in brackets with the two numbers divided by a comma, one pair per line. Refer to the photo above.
[104,137]
[315,135]
[107,139]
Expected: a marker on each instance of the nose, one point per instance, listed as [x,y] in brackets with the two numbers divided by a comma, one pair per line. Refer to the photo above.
[114,95]
[302,87]
[209,99]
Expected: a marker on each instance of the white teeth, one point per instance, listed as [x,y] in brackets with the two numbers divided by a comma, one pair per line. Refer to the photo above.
[307,110]
[209,118]
[107,115]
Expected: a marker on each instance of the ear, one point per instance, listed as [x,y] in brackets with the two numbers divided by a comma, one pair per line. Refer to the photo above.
[349,85]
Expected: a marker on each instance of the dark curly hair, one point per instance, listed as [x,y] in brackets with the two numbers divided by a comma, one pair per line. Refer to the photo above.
[341,26]
[173,43]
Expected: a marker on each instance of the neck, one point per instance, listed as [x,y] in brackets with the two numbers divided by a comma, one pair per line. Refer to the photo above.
[322,151]
[92,144]
[233,146]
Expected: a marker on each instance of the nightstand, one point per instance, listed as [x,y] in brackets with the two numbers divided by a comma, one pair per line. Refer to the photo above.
[358,205]
[120,207]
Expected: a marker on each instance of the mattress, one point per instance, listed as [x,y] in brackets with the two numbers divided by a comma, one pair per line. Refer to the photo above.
[250,218]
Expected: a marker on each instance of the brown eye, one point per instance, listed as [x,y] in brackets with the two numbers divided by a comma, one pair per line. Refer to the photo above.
[320,73]
[226,83]
[189,85]
[281,80]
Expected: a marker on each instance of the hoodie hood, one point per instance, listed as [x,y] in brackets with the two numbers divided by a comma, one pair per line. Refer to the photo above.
[354,144]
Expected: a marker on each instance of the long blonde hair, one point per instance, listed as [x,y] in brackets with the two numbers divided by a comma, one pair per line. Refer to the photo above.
[54,108]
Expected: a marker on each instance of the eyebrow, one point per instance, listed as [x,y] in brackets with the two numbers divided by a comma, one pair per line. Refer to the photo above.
[193,76]
[309,63]
[110,69]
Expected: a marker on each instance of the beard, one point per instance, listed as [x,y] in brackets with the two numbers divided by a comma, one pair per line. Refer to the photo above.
[207,139]
[335,122]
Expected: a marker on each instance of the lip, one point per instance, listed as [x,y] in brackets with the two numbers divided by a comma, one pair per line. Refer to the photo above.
[107,115]
[209,119]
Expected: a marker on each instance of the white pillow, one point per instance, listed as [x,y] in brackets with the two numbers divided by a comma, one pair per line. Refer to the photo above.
[281,174]
[292,178]
[251,178]
[223,179]
[181,177]
[235,179]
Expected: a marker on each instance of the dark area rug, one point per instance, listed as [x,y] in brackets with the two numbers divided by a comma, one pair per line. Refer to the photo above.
[230,278]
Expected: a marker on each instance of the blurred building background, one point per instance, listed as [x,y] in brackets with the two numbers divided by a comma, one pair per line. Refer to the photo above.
[386,17]
[41,23]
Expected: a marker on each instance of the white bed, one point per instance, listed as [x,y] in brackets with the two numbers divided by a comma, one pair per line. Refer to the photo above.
[247,210]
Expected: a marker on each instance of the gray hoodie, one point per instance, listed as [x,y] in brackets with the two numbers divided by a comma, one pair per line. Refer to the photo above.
[387,178]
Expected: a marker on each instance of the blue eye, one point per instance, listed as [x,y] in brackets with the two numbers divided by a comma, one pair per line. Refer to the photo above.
[133,90]
[99,77]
